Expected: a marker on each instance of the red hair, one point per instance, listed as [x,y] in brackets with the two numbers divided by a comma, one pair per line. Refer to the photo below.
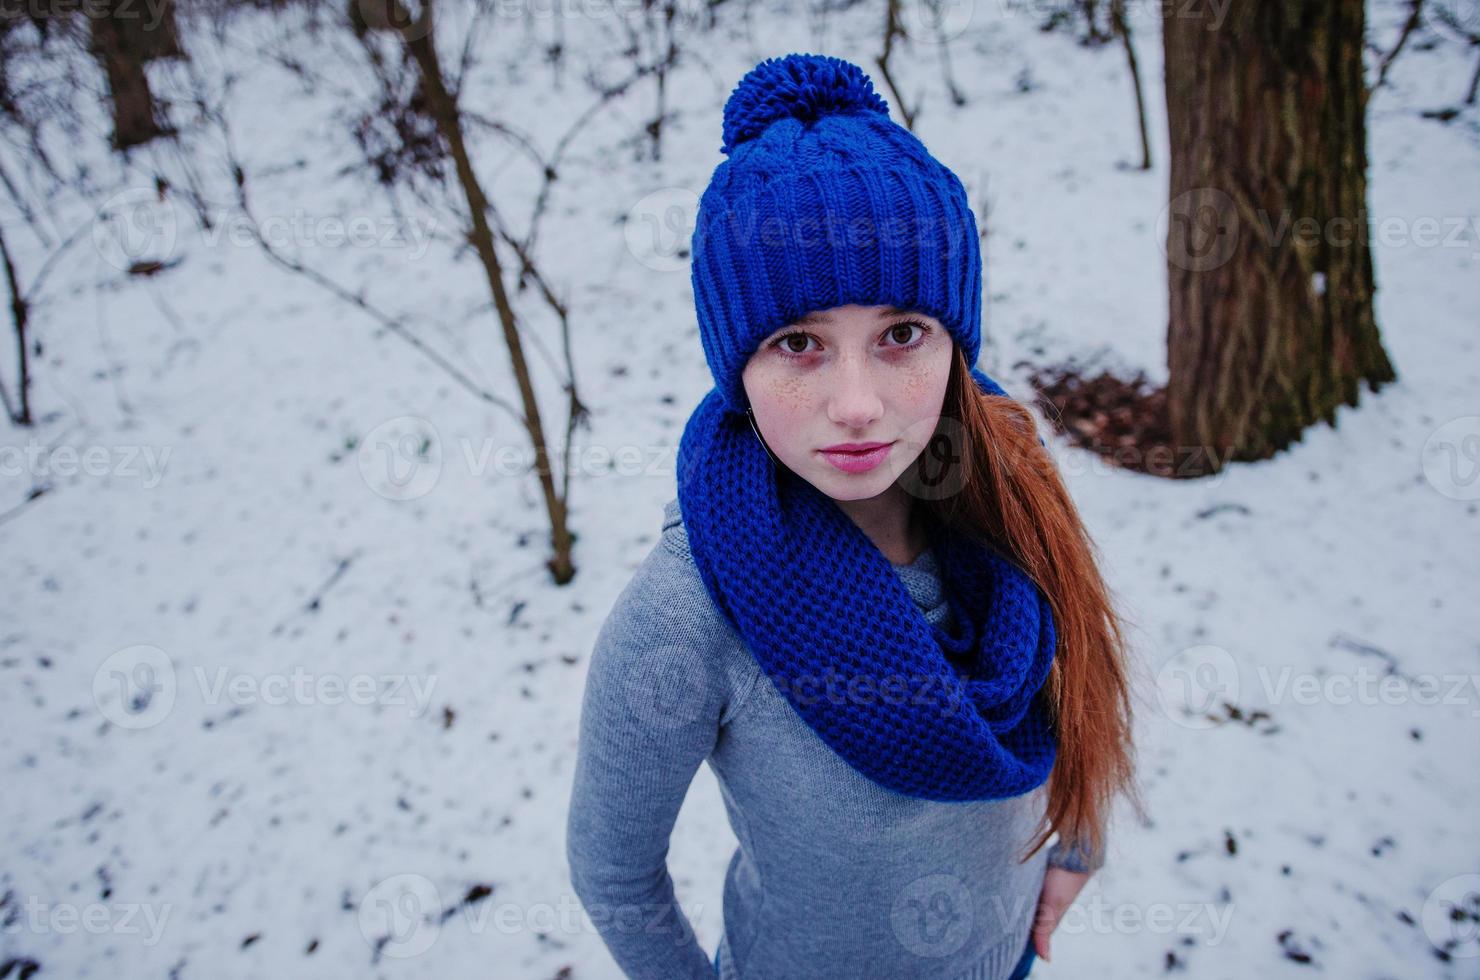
[1006,491]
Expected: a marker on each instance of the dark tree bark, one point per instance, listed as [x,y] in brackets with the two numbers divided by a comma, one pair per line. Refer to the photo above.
[1122,28]
[20,315]
[1271,316]
[126,36]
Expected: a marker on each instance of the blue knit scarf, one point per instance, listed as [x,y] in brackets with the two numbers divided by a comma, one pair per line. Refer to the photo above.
[833,626]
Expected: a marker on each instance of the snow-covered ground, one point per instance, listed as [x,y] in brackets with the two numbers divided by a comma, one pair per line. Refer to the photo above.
[361,691]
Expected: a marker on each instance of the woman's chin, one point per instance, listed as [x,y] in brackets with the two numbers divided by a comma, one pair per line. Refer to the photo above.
[853,486]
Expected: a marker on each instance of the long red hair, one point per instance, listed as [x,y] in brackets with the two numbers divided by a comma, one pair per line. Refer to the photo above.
[1001,486]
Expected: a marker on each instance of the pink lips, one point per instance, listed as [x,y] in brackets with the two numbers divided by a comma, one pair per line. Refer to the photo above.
[856,457]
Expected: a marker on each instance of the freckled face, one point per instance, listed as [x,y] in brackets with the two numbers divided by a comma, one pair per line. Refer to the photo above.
[852,376]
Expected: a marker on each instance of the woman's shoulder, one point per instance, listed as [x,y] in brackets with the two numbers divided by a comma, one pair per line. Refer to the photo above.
[667,585]
[665,620]
[676,536]
[668,576]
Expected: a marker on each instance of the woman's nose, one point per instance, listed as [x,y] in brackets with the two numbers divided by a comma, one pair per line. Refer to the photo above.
[854,399]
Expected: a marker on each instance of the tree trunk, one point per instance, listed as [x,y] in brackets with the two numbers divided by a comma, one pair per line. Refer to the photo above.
[126,36]
[1270,275]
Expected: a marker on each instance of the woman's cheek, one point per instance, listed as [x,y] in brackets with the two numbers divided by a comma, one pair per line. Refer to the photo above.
[922,386]
[789,395]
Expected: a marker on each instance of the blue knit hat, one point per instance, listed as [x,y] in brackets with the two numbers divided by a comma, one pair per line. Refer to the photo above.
[825,201]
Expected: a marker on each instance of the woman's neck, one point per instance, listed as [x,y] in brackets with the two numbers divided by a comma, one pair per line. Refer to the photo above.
[890,522]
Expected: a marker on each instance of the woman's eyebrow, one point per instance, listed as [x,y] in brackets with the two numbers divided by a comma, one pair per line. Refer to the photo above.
[819,316]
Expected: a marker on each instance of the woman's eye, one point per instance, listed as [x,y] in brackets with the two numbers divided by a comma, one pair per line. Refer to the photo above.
[793,343]
[902,332]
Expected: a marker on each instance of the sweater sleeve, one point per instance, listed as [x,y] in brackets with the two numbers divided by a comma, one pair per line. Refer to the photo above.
[1075,856]
[650,714]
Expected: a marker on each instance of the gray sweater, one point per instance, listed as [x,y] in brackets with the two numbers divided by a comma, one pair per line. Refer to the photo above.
[834,875]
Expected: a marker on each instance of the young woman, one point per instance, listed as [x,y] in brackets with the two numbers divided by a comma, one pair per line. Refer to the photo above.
[873,609]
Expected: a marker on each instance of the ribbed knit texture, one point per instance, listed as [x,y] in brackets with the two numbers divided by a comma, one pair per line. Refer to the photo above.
[814,598]
[825,201]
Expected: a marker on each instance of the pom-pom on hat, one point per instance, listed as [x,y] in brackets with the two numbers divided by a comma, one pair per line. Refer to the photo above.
[803,87]
[824,201]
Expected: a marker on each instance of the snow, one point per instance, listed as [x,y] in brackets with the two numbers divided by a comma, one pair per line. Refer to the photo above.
[309,544]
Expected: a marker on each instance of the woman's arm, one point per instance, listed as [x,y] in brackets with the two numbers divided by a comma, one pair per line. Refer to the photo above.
[649,716]
[1070,864]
